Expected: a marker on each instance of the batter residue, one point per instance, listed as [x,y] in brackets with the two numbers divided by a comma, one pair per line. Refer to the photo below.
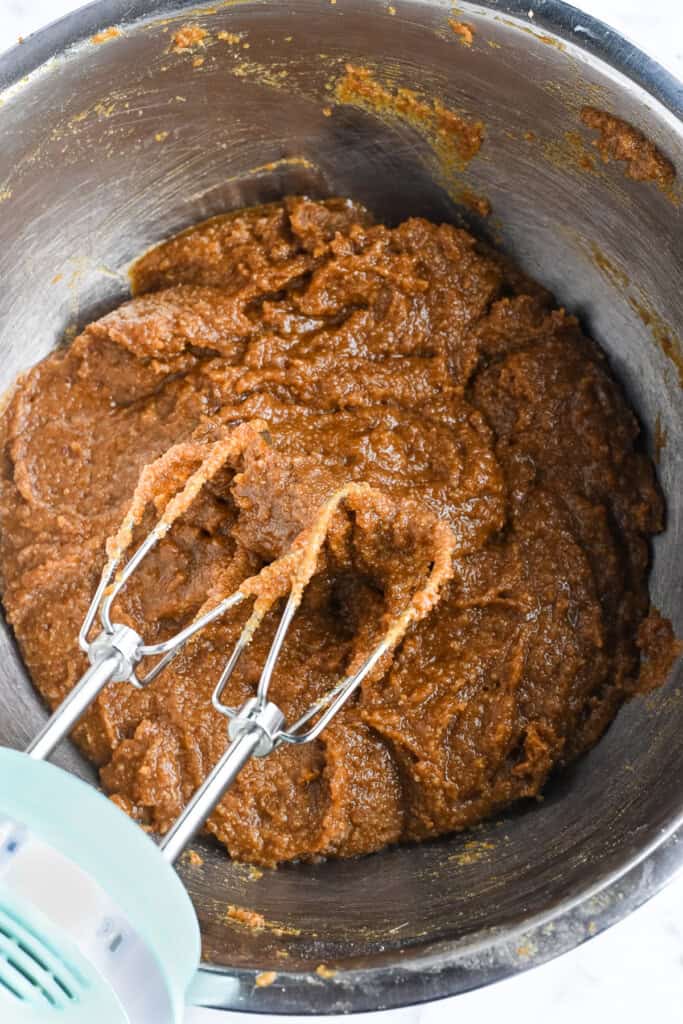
[619,140]
[411,359]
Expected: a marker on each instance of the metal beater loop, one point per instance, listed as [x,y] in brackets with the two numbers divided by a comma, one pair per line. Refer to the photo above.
[333,700]
[116,652]
[257,727]
[106,595]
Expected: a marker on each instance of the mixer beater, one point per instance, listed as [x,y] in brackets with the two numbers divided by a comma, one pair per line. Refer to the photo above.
[74,935]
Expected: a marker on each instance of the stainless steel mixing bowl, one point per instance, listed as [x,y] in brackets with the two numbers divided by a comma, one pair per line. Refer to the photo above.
[110,146]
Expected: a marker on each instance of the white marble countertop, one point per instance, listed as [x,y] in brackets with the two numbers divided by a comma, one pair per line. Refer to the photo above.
[633,972]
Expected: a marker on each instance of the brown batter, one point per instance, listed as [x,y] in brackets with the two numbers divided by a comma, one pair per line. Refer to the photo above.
[412,360]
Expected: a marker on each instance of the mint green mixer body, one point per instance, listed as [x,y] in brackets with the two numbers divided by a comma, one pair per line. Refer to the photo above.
[95,926]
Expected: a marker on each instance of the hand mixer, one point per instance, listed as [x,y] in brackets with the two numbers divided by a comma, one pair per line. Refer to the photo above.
[78,941]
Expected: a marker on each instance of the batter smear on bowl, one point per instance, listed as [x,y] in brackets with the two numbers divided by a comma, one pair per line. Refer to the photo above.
[411,359]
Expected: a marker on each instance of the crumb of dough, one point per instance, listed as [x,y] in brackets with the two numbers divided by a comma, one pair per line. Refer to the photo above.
[105,35]
[265,978]
[464,31]
[249,918]
[476,203]
[659,649]
[188,37]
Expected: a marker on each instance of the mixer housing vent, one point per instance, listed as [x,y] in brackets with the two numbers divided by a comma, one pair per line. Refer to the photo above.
[31,971]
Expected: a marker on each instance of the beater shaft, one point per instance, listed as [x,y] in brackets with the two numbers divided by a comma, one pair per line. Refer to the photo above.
[254,732]
[207,797]
[73,707]
[113,657]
